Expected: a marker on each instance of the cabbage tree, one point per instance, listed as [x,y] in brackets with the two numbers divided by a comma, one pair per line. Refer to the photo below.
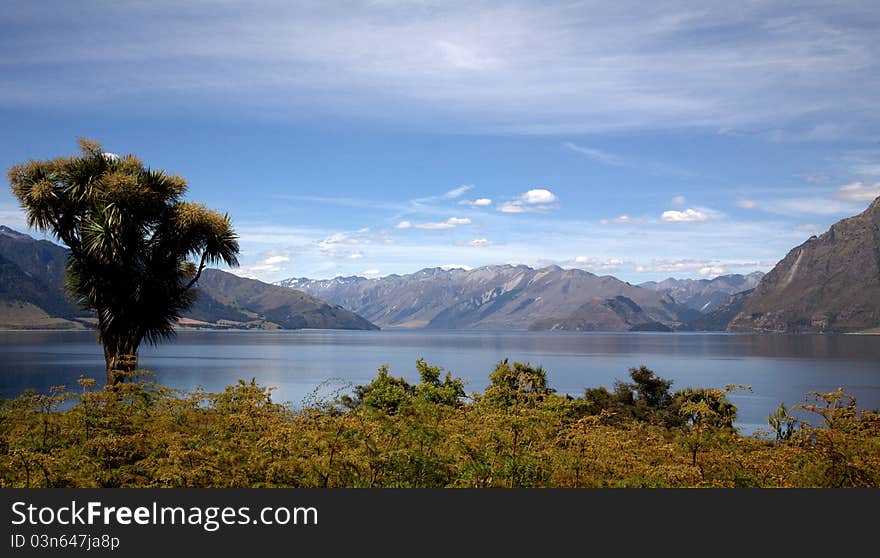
[136,247]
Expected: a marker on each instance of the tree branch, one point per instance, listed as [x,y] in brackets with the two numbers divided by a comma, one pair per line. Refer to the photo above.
[198,273]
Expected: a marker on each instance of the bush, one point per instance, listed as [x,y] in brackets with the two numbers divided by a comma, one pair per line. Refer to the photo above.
[391,433]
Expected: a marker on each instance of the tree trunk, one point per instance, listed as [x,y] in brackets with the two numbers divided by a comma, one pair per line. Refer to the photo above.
[121,360]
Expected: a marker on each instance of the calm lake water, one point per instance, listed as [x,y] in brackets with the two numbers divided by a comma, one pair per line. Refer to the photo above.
[780,368]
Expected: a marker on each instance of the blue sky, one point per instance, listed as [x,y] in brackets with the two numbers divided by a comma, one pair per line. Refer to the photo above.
[683,139]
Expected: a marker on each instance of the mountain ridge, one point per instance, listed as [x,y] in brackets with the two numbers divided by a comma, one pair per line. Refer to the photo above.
[705,295]
[504,296]
[33,295]
[828,284]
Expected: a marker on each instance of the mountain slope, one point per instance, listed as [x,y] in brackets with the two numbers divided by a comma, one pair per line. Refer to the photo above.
[491,297]
[830,283]
[224,296]
[719,318]
[705,295]
[614,314]
[32,295]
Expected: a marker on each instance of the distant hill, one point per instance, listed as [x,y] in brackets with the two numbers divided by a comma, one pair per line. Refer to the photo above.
[719,318]
[224,296]
[32,295]
[493,297]
[830,283]
[614,314]
[705,295]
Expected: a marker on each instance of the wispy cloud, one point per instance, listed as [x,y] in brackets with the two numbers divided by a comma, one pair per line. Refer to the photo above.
[809,228]
[747,204]
[261,268]
[857,191]
[463,65]
[479,242]
[450,223]
[595,154]
[867,169]
[623,220]
[844,200]
[346,244]
[457,192]
[479,202]
[13,217]
[587,263]
[703,267]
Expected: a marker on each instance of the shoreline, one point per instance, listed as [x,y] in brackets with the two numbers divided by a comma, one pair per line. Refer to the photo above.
[398,330]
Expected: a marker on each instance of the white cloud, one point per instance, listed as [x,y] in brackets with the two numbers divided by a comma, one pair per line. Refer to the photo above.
[586,263]
[710,271]
[595,154]
[457,192]
[621,220]
[450,223]
[702,267]
[538,199]
[686,216]
[447,267]
[261,268]
[355,255]
[403,225]
[747,204]
[674,266]
[479,242]
[340,245]
[679,200]
[858,191]
[539,196]
[479,202]
[371,272]
[512,207]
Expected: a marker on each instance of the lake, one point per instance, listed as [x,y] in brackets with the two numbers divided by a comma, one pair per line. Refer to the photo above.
[780,368]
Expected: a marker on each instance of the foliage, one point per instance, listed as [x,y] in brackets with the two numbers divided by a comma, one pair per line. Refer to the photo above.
[391,433]
[782,423]
[515,384]
[132,241]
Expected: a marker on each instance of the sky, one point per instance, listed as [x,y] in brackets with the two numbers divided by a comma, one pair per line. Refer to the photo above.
[640,140]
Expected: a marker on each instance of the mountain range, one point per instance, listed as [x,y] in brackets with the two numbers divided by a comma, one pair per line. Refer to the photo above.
[830,283]
[33,295]
[502,297]
[705,295]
